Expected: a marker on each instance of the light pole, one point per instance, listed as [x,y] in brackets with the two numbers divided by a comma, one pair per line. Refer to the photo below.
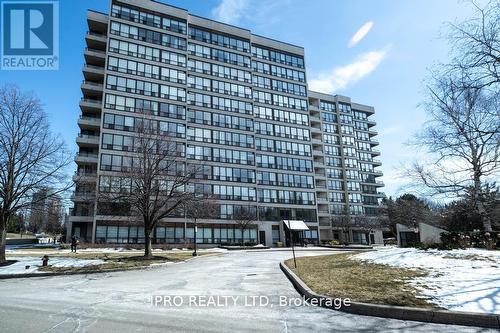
[293,249]
[195,252]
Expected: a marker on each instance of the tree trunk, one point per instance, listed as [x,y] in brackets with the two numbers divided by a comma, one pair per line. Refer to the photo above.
[148,249]
[3,239]
[484,216]
[478,198]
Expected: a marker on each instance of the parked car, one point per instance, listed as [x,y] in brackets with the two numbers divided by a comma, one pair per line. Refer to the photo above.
[390,241]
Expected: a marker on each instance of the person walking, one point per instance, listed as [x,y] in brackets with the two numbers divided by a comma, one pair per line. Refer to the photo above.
[74,242]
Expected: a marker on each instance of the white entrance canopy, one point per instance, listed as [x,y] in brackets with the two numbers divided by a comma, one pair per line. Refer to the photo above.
[295,225]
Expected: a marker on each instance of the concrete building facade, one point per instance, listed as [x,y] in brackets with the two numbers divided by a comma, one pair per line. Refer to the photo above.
[234,100]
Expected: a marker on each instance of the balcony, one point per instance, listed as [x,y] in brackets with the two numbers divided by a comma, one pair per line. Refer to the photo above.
[83,196]
[86,158]
[88,219]
[97,21]
[94,56]
[90,105]
[317,141]
[314,107]
[315,119]
[85,177]
[87,140]
[317,151]
[322,200]
[324,213]
[93,73]
[92,89]
[319,176]
[96,40]
[89,122]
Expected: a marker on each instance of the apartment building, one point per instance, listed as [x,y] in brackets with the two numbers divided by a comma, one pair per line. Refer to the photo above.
[345,161]
[234,100]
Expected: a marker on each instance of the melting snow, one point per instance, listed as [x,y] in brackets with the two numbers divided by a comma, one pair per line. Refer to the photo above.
[460,280]
[34,262]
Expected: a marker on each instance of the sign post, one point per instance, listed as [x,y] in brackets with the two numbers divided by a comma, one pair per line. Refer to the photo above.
[294,225]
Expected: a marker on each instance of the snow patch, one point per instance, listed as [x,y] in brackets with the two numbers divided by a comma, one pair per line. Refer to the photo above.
[35,262]
[460,280]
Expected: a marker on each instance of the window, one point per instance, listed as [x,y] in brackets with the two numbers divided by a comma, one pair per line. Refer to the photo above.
[277,56]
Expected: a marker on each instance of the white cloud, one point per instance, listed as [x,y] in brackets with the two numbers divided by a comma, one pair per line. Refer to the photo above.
[389,130]
[360,34]
[344,76]
[230,11]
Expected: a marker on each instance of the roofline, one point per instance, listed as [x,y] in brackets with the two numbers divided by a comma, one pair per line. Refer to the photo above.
[338,97]
[164,4]
[226,24]
[279,41]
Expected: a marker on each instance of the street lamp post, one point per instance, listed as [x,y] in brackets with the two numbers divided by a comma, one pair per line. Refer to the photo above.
[293,249]
[195,252]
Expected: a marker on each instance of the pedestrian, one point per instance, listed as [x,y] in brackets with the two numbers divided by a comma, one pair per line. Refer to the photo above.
[74,242]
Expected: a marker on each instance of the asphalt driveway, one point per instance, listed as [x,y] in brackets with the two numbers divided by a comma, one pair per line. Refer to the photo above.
[122,301]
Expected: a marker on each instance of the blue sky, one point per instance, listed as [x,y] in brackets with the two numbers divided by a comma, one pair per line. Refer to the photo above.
[376,52]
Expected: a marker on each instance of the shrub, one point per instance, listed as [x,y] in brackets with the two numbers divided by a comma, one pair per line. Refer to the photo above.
[454,240]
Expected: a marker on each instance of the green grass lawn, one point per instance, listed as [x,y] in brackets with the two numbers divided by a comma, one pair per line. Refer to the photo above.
[339,276]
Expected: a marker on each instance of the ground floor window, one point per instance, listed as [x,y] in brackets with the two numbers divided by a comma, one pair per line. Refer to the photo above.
[359,237]
[176,233]
[276,234]
[310,235]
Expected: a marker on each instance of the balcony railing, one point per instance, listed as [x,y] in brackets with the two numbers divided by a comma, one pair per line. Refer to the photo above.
[92,83]
[90,118]
[91,155]
[88,136]
[90,49]
[95,103]
[85,174]
[97,34]
[101,68]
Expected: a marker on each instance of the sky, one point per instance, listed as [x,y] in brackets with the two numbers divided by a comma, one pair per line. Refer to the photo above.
[376,52]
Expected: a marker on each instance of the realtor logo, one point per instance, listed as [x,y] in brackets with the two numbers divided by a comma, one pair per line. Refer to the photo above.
[30,35]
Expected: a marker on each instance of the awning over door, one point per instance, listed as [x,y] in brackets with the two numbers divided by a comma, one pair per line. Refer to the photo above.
[295,225]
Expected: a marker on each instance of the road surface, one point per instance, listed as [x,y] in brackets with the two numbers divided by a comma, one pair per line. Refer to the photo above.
[121,301]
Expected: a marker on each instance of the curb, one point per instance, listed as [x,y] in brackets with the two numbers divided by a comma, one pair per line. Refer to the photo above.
[47,274]
[347,247]
[396,312]
[250,248]
[323,249]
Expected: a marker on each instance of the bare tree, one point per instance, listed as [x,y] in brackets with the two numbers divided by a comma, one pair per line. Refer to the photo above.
[156,183]
[463,139]
[368,224]
[197,209]
[244,218]
[343,222]
[477,45]
[31,158]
